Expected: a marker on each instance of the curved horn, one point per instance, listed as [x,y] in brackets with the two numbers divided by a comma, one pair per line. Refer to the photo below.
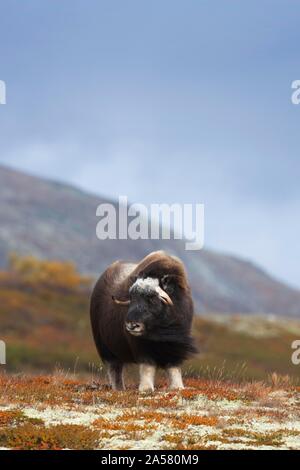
[121,302]
[164,297]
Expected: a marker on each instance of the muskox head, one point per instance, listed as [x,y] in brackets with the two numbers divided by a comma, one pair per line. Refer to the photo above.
[149,305]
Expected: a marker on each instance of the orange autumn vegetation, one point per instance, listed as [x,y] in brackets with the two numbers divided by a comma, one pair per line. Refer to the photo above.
[32,437]
[130,416]
[60,388]
[49,273]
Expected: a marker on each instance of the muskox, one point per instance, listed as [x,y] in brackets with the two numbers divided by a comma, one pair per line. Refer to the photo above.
[142,313]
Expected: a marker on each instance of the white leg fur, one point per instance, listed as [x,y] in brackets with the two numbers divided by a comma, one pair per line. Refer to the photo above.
[147,375]
[175,378]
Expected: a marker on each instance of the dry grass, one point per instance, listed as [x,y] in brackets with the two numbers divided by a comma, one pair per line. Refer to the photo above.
[30,436]
[61,411]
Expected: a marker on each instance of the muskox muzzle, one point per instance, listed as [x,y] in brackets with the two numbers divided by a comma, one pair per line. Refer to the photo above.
[136,319]
[135,328]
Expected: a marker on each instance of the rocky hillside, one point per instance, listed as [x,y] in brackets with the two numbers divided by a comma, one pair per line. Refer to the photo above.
[57,221]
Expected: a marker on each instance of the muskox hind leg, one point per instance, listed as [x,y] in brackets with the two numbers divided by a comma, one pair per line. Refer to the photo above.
[115,374]
[175,378]
[147,375]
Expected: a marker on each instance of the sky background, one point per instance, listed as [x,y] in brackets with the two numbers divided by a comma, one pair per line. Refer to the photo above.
[164,101]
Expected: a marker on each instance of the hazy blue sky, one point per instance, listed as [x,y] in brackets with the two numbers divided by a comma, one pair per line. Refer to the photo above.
[164,101]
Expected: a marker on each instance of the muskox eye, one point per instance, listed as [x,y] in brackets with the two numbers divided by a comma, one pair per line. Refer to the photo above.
[168,283]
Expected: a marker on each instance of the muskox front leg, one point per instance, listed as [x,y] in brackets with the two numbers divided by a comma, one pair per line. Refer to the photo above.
[175,378]
[147,375]
[115,374]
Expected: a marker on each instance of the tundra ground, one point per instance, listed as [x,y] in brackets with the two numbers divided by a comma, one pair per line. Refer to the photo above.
[61,412]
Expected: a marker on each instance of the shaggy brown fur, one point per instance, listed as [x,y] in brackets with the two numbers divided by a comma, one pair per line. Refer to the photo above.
[166,344]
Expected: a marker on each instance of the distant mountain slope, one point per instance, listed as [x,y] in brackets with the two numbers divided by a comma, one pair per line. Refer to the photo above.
[53,220]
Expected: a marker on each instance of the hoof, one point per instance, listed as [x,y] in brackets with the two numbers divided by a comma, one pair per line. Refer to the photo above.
[146,388]
[176,387]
